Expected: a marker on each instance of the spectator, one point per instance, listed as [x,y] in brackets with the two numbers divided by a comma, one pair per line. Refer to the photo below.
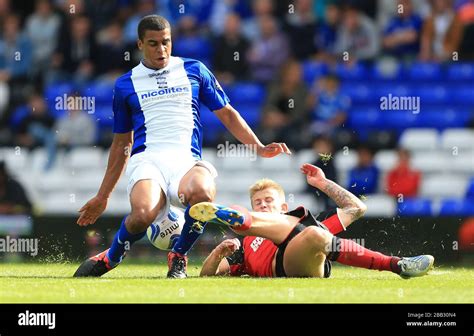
[112,48]
[323,150]
[300,27]
[143,8]
[75,52]
[36,129]
[326,31]
[15,58]
[403,179]
[190,42]
[330,107]
[227,46]
[251,26]
[357,36]
[402,35]
[42,28]
[460,34]
[285,110]
[13,198]
[363,179]
[76,128]
[434,31]
[269,52]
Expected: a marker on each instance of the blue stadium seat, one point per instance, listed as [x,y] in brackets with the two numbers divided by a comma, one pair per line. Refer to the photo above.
[457,207]
[463,94]
[359,118]
[359,93]
[460,71]
[103,91]
[313,70]
[470,189]
[433,94]
[424,71]
[103,115]
[246,92]
[356,71]
[250,112]
[386,71]
[443,118]
[54,91]
[399,120]
[193,47]
[415,207]
[20,113]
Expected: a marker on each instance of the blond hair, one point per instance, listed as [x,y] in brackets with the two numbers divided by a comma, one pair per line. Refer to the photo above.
[266,183]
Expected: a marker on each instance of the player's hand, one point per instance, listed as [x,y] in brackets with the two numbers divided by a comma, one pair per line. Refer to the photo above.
[227,247]
[273,149]
[314,175]
[92,210]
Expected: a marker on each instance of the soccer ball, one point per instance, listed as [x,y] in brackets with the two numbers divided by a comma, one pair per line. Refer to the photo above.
[165,234]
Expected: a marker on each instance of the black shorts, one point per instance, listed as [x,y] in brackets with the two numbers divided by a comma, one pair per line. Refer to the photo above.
[306,219]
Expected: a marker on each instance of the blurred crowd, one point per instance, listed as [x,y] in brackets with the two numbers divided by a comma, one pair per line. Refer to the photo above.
[264,41]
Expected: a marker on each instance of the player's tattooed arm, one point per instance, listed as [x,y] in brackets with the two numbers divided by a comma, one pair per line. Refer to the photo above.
[348,202]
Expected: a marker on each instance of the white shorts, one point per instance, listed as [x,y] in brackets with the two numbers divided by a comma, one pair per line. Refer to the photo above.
[166,169]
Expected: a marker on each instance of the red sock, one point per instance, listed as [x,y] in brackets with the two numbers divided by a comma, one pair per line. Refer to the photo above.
[334,225]
[353,254]
[248,218]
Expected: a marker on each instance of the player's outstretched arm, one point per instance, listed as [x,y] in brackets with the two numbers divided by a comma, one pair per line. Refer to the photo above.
[118,156]
[239,128]
[351,207]
[216,263]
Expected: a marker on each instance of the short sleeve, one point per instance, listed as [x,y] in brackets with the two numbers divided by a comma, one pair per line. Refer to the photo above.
[122,116]
[211,93]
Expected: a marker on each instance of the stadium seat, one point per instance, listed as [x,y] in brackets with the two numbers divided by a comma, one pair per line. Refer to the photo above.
[460,138]
[103,115]
[305,156]
[386,70]
[313,70]
[251,112]
[415,207]
[246,92]
[443,185]
[431,162]
[462,162]
[443,118]
[399,120]
[380,205]
[18,115]
[86,159]
[354,72]
[240,160]
[460,71]
[14,157]
[193,47]
[424,71]
[102,91]
[463,94]
[54,91]
[386,160]
[359,93]
[457,207]
[432,94]
[470,189]
[365,118]
[345,161]
[280,163]
[419,139]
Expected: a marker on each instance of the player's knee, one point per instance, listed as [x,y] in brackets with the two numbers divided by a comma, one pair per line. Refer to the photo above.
[316,237]
[141,219]
[201,194]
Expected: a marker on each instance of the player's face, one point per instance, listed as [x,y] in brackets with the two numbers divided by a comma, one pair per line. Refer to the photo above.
[156,47]
[268,200]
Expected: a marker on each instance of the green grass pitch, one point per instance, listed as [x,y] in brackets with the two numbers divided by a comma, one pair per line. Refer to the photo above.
[129,283]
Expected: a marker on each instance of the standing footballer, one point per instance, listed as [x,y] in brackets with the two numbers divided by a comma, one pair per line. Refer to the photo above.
[157,124]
